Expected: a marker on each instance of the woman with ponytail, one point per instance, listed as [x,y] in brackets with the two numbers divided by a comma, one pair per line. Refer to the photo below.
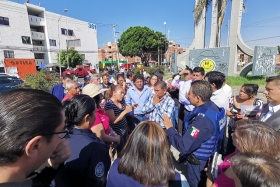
[89,163]
[116,110]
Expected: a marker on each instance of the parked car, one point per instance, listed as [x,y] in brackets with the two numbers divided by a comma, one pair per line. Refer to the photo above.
[68,71]
[8,82]
[81,72]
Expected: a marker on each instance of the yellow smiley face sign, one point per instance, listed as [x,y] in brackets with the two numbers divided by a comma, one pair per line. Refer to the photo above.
[207,64]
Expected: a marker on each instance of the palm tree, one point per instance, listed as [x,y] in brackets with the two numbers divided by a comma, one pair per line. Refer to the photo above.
[221,4]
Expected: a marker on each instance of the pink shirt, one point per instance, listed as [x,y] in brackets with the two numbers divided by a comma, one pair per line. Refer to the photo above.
[102,118]
[222,179]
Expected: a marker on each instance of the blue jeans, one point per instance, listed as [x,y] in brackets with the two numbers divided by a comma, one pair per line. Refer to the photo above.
[138,119]
[175,116]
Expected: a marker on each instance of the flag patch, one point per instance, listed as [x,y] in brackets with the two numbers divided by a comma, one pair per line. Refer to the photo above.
[194,132]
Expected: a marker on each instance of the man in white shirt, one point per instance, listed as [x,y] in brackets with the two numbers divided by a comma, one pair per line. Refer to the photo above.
[271,112]
[189,76]
[111,78]
[129,78]
[219,97]
[227,89]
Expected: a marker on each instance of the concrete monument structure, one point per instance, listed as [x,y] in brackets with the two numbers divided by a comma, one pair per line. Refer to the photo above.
[192,55]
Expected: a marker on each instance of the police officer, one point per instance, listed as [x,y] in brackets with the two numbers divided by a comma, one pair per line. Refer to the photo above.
[204,129]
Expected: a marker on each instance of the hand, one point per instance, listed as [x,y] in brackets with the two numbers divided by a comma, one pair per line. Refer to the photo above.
[60,154]
[128,109]
[167,121]
[183,72]
[240,116]
[155,99]
[134,106]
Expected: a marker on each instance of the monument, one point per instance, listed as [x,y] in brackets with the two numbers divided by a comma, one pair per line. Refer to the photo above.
[226,59]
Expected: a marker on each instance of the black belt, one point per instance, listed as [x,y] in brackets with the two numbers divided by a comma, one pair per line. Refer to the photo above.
[141,115]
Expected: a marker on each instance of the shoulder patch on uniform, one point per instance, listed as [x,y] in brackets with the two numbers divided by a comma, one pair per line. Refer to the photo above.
[194,132]
[99,169]
[201,115]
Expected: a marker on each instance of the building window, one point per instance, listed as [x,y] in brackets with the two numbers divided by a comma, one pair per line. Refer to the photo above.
[9,54]
[4,21]
[39,56]
[74,43]
[63,31]
[70,32]
[26,40]
[52,42]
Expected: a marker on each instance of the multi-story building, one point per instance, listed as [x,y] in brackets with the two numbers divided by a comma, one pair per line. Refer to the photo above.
[29,31]
[108,53]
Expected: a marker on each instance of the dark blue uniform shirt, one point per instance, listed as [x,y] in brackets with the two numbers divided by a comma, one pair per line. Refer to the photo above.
[189,143]
[89,163]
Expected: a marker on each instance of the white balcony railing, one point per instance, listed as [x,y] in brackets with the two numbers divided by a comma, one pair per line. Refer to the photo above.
[35,20]
[37,48]
[40,62]
[37,35]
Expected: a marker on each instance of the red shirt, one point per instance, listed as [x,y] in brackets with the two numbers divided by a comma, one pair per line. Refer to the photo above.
[102,118]
[67,96]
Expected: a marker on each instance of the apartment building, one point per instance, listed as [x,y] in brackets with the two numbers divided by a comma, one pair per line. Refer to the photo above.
[108,53]
[28,31]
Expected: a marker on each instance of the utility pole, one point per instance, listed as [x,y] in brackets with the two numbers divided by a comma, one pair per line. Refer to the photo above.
[228,27]
[164,40]
[168,58]
[115,37]
[158,52]
[65,10]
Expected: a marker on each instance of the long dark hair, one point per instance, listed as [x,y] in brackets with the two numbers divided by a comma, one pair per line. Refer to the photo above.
[146,156]
[77,108]
[25,114]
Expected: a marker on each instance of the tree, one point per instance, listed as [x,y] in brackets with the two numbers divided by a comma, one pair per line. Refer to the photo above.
[142,42]
[278,49]
[74,57]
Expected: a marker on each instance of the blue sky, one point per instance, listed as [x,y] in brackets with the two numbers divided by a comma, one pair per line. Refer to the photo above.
[261,19]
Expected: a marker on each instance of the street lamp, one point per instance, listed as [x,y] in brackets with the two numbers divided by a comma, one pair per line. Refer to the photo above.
[59,62]
[165,37]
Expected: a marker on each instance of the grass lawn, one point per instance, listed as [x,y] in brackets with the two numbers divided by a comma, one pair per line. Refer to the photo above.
[239,81]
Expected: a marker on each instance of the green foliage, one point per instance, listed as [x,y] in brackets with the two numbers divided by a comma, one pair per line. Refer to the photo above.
[142,42]
[149,70]
[278,49]
[41,80]
[239,81]
[74,57]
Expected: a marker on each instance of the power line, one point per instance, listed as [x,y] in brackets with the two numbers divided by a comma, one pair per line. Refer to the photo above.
[262,38]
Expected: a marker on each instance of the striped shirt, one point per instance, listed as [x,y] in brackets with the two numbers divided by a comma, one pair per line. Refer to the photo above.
[166,105]
[120,127]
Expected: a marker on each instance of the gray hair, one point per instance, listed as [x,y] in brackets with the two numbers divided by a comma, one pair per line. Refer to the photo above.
[162,84]
[70,84]
[202,89]
[94,76]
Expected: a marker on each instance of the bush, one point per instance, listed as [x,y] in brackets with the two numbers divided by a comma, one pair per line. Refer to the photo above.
[42,80]
[149,70]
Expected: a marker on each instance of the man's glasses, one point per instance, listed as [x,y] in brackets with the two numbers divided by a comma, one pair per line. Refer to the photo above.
[62,134]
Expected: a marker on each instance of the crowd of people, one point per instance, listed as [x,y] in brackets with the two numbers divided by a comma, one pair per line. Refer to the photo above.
[133,130]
